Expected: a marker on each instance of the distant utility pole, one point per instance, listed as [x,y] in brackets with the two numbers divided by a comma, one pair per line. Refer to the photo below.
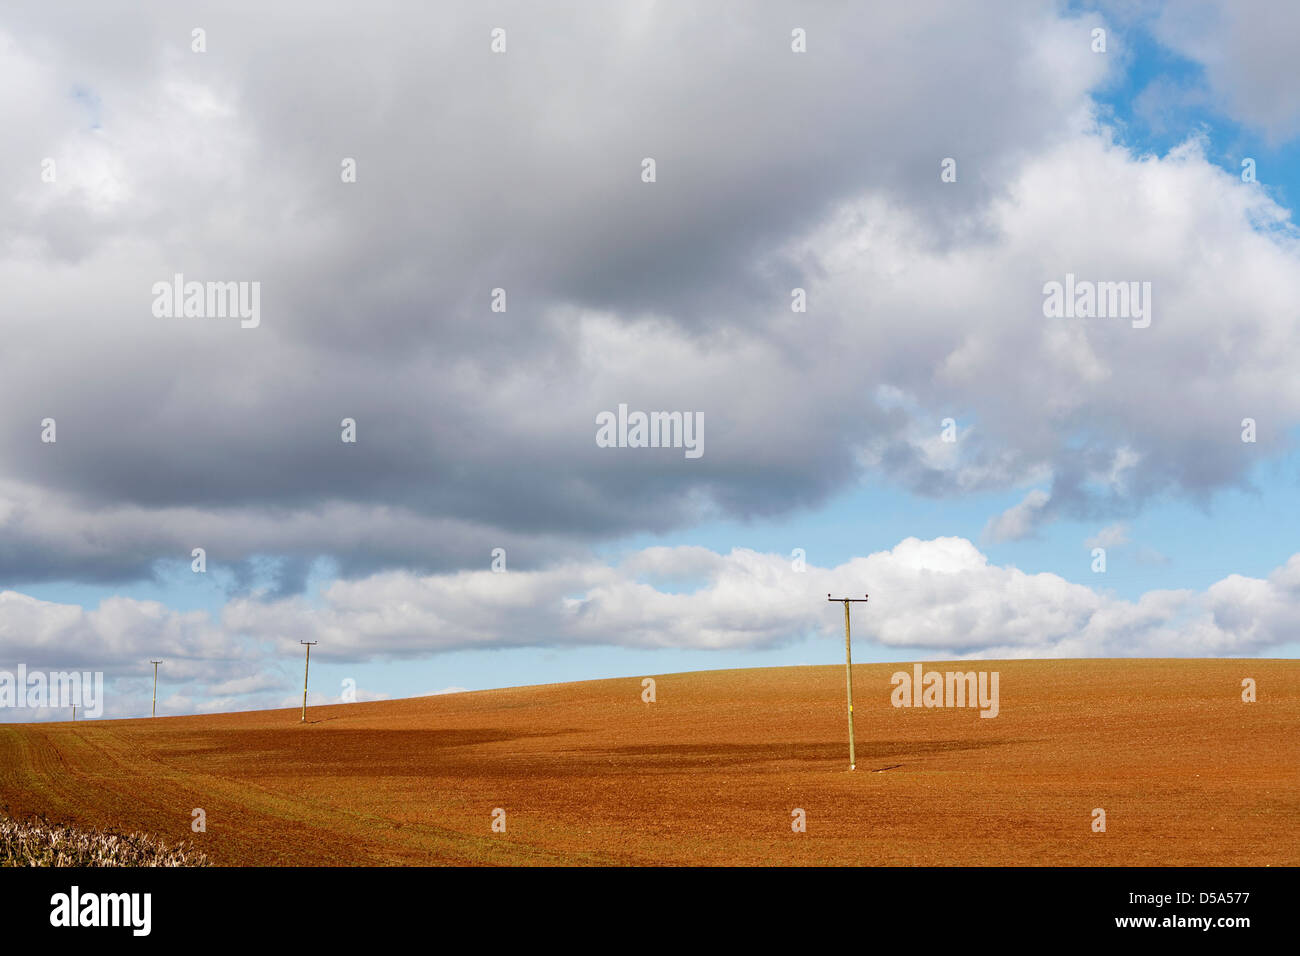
[74,711]
[153,711]
[304,678]
[848,670]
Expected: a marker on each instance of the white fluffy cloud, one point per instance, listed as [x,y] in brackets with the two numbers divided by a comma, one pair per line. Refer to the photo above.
[939,597]
[118,636]
[819,170]
[1110,413]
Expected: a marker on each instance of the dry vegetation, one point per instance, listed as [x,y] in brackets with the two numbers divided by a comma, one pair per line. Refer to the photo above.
[38,842]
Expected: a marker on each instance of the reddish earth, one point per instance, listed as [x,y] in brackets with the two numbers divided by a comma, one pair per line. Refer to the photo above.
[710,773]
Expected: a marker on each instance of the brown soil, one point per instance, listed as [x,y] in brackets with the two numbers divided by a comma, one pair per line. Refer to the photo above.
[1187,773]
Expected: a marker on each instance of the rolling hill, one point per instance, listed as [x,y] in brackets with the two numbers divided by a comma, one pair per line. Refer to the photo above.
[711,772]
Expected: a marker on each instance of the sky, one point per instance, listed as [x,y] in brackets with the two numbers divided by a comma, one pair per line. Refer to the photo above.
[823,233]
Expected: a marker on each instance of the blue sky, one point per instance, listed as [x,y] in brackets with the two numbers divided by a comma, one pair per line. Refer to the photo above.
[475,428]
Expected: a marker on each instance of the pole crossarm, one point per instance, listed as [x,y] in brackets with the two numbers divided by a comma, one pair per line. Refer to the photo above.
[848,670]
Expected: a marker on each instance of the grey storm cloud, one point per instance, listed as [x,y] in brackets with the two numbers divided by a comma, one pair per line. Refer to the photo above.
[1247,49]
[522,171]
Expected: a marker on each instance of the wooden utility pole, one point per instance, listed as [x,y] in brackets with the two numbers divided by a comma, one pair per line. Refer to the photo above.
[153,711]
[848,670]
[305,669]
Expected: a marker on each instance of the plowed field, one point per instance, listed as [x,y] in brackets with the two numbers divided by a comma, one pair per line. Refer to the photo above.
[711,772]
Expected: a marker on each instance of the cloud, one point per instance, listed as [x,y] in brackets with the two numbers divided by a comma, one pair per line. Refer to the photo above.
[1020,520]
[1111,536]
[1247,49]
[938,597]
[476,429]
[118,637]
[246,685]
[315,699]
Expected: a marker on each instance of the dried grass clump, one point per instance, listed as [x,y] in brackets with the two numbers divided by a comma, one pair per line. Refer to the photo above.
[38,842]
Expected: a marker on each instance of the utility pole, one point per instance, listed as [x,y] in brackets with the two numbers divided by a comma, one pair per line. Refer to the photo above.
[848,670]
[74,711]
[153,710]
[305,669]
